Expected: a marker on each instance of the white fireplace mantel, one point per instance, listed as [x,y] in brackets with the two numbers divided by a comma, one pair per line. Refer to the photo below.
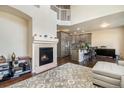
[45,41]
[39,42]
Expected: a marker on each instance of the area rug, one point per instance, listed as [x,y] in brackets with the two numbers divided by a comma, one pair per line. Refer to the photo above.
[65,76]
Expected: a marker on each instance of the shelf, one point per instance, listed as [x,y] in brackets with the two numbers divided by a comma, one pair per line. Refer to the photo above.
[4,69]
[10,69]
[3,64]
[20,73]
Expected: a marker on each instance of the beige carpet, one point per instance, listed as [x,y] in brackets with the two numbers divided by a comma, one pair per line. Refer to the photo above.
[66,76]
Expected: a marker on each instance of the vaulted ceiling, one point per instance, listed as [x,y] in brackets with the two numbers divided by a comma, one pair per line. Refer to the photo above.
[113,20]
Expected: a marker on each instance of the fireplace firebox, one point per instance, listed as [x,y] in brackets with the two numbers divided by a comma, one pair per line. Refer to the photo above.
[45,56]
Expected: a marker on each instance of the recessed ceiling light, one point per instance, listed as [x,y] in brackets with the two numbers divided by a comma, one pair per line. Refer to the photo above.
[104,25]
[58,30]
[82,31]
[75,32]
[78,28]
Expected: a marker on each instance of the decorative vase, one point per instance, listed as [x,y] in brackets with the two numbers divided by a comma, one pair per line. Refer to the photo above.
[2,59]
[13,56]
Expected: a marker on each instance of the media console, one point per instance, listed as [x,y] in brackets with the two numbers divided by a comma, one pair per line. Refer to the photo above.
[106,52]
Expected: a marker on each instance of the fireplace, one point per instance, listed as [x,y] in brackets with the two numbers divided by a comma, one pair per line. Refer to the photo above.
[45,56]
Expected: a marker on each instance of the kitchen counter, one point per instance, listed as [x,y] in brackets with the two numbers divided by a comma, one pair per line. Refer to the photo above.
[78,54]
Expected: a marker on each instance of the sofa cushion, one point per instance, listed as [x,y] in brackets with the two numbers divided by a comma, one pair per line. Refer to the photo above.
[108,69]
[122,81]
[121,62]
[104,84]
[112,81]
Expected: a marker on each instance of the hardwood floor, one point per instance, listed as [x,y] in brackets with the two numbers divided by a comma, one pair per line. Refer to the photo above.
[65,60]
[90,63]
[60,61]
[14,80]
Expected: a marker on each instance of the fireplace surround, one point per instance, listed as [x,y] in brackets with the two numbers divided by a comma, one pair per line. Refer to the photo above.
[44,54]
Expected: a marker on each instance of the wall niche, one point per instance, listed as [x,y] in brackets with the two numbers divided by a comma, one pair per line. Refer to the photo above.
[15,32]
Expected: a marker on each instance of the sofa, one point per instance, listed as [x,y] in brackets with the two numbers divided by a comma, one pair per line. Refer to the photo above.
[109,75]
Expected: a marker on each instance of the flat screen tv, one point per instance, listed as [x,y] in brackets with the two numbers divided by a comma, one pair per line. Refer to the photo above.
[106,52]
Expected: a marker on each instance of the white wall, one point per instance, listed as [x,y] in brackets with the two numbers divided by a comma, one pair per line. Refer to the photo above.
[42,21]
[122,44]
[112,38]
[13,35]
[81,13]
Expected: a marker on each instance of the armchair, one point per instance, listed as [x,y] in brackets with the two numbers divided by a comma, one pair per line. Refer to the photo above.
[110,75]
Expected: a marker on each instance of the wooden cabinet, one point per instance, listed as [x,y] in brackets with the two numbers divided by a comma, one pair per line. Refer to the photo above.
[82,37]
[85,37]
[63,48]
[75,39]
[67,42]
